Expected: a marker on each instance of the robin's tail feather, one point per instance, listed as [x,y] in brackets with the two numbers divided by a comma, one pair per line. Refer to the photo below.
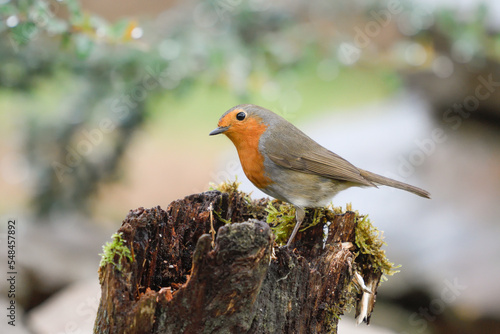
[382,180]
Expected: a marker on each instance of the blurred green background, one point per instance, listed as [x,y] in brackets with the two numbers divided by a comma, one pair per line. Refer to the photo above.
[106,107]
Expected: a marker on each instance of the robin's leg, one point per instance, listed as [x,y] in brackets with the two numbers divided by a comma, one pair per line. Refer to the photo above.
[299,216]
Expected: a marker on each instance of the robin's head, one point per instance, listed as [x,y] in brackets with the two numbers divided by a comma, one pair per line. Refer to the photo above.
[242,122]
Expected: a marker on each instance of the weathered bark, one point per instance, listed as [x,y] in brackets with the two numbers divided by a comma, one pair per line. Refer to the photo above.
[178,283]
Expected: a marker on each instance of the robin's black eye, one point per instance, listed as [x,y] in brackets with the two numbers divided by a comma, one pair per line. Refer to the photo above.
[241,116]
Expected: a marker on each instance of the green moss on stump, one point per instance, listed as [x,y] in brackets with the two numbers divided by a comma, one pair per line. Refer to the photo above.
[370,241]
[115,249]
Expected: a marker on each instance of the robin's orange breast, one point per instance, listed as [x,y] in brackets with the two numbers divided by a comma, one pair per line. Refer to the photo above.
[246,140]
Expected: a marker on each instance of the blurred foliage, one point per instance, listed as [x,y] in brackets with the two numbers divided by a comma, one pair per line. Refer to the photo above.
[75,147]
[465,40]
[107,75]
[111,76]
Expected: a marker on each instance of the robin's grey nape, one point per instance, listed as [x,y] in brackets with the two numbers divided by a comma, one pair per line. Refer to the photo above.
[299,217]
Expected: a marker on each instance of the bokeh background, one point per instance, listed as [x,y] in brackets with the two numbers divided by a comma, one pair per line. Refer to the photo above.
[107,106]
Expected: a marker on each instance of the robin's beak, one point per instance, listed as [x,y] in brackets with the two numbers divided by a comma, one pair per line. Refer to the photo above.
[219,130]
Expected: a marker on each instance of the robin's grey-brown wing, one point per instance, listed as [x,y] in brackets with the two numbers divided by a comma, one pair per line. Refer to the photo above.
[295,150]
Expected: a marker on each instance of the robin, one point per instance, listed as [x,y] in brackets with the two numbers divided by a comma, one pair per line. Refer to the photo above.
[286,164]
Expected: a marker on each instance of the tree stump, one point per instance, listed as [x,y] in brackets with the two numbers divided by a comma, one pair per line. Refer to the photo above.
[178,283]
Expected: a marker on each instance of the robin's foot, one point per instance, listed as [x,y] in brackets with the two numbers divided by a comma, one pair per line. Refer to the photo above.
[299,216]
